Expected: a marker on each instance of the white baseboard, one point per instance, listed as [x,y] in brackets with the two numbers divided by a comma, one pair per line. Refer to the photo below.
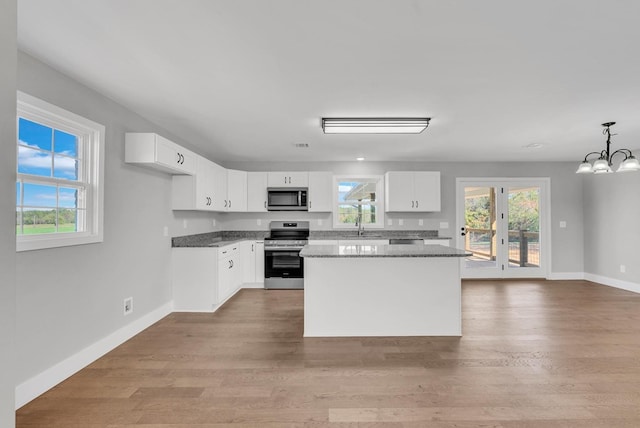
[49,378]
[612,282]
[253,285]
[558,276]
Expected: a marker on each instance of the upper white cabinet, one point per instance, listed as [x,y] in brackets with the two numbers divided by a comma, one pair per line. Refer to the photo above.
[320,194]
[219,197]
[412,191]
[256,191]
[197,192]
[236,190]
[157,152]
[288,179]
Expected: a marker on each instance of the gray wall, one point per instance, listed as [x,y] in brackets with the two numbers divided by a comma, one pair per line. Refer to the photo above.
[566,199]
[8,21]
[612,225]
[69,298]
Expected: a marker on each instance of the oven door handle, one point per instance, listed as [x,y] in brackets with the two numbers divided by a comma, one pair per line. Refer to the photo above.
[279,249]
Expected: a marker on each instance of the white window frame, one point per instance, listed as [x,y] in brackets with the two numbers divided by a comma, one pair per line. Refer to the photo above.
[379,203]
[92,141]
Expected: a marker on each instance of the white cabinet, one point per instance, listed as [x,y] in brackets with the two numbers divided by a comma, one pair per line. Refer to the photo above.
[363,242]
[445,242]
[236,190]
[195,192]
[194,279]
[212,188]
[257,191]
[154,151]
[288,179]
[252,253]
[323,242]
[260,262]
[412,191]
[229,271]
[320,195]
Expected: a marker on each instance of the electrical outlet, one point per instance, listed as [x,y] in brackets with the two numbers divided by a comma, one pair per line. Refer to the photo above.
[185,223]
[401,222]
[319,222]
[128,305]
[623,269]
[444,225]
[259,222]
[165,231]
[389,222]
[420,222]
[213,222]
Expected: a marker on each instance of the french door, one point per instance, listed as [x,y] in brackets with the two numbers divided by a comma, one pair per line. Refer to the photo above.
[503,222]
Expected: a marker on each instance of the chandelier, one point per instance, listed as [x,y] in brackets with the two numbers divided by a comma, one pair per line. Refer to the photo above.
[604,162]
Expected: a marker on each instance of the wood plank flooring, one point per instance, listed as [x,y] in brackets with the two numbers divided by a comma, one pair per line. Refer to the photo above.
[533,354]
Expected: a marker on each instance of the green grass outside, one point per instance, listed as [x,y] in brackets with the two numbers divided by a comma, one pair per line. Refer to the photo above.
[30,229]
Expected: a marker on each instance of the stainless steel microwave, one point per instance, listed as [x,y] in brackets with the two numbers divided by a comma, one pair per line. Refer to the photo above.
[287,199]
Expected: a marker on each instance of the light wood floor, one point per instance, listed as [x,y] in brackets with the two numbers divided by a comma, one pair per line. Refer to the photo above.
[533,354]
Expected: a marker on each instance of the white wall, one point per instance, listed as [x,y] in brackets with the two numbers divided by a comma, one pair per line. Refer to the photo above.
[69,298]
[612,226]
[8,22]
[566,199]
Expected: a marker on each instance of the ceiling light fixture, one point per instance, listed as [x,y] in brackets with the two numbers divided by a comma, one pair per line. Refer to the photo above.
[360,159]
[603,164]
[364,125]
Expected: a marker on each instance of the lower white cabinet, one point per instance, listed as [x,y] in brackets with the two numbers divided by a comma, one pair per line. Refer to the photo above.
[203,278]
[252,254]
[229,271]
[445,242]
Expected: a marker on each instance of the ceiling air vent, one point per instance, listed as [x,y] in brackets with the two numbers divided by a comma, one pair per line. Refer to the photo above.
[301,145]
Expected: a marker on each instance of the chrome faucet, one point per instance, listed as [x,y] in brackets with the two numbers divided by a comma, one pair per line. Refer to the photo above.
[360,225]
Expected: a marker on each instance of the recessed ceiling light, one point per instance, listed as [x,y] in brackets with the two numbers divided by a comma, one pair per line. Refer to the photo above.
[360,159]
[534,146]
[370,125]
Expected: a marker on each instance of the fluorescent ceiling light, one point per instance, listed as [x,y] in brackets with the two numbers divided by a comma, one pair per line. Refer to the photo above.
[375,125]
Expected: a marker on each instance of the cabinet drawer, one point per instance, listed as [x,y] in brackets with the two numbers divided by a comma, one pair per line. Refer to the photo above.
[228,251]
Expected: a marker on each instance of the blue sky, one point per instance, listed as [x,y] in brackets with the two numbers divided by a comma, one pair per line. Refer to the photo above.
[47,152]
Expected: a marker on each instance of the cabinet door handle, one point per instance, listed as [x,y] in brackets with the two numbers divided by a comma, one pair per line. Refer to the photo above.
[309,204]
[225,203]
[285,180]
[417,204]
[230,265]
[229,203]
[265,204]
[178,154]
[412,204]
[252,248]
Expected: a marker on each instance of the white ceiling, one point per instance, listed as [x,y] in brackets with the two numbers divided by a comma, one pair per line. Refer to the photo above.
[244,80]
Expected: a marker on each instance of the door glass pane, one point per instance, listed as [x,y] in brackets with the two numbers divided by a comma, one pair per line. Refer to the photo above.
[524,226]
[481,225]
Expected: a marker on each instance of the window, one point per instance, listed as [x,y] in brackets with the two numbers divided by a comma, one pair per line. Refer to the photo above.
[358,197]
[59,177]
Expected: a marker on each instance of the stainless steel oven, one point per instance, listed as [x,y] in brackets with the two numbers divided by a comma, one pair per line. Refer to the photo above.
[283,266]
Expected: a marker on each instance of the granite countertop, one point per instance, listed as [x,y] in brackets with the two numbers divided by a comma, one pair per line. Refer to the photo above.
[375,234]
[415,250]
[216,239]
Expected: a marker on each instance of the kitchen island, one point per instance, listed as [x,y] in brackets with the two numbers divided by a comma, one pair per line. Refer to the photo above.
[382,290]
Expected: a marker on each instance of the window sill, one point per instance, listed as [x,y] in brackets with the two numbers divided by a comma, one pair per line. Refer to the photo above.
[32,243]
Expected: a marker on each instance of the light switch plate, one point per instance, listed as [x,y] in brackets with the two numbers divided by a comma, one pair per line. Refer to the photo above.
[389,222]
[563,224]
[165,231]
[444,225]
